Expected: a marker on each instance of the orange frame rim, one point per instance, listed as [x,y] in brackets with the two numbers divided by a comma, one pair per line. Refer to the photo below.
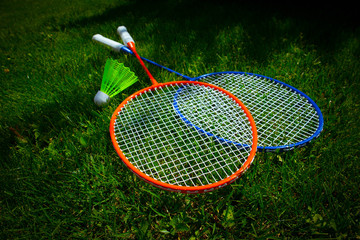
[176,188]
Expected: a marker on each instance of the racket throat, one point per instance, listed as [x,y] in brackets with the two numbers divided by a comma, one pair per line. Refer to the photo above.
[131,45]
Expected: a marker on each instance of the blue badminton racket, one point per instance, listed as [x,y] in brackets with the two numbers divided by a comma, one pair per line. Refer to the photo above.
[285,117]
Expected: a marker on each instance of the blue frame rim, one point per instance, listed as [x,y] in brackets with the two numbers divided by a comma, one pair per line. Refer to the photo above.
[261,148]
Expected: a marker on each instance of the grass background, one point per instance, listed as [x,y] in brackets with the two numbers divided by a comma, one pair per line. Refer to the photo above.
[59,175]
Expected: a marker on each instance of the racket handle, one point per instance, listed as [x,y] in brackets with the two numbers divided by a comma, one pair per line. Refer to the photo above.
[125,36]
[108,42]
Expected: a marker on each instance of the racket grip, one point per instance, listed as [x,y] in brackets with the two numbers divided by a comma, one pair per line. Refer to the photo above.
[108,42]
[125,36]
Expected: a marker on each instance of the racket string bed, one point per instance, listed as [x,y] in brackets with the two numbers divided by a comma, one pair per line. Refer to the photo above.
[160,144]
[292,110]
[292,121]
[230,125]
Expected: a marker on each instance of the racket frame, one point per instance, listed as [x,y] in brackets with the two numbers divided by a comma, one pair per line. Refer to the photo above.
[175,188]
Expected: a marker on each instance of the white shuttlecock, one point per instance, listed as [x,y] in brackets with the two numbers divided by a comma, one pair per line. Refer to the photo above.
[116,78]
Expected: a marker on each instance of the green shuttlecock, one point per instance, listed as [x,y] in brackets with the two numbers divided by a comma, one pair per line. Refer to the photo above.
[116,78]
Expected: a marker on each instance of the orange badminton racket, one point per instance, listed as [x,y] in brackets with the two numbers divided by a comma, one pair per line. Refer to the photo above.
[163,150]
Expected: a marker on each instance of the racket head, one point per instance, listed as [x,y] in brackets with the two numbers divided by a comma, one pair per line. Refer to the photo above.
[285,117]
[159,147]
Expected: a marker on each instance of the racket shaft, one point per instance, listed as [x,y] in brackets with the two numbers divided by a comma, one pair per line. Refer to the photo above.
[131,45]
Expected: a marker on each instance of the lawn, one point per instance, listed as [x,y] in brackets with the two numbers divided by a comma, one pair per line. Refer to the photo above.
[60,177]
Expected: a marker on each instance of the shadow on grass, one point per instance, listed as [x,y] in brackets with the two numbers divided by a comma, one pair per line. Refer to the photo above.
[197,23]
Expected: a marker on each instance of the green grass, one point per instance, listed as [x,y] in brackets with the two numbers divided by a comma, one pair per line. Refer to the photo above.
[60,176]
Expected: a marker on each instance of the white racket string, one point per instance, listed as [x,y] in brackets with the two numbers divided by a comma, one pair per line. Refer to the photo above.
[157,142]
[281,116]
[229,127]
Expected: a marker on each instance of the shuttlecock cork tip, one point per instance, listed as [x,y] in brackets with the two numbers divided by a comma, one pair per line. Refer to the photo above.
[101,99]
